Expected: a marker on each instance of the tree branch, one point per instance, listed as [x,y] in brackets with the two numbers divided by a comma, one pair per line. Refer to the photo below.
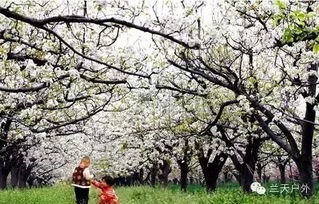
[24,89]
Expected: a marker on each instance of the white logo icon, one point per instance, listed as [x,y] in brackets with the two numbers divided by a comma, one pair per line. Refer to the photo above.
[256,187]
[261,190]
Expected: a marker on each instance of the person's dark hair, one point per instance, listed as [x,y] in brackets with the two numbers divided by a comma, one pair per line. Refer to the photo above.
[109,180]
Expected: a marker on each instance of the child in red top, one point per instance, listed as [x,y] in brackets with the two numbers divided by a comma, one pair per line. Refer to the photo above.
[107,195]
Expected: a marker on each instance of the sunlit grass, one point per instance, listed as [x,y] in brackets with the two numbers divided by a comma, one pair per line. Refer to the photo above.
[229,194]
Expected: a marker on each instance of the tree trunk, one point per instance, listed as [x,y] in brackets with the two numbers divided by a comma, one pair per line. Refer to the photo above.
[184,172]
[259,172]
[154,172]
[247,168]
[282,169]
[246,177]
[184,165]
[141,176]
[211,170]
[305,163]
[4,156]
[14,176]
[211,182]
[165,171]
[15,168]
[4,172]
[306,177]
[31,181]
[24,174]
[3,179]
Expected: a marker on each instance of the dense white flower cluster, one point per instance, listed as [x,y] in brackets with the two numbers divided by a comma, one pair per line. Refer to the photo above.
[135,98]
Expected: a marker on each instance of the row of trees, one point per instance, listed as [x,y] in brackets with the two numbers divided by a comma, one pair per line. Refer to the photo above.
[195,83]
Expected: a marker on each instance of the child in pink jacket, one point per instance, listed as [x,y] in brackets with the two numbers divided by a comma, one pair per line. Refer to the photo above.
[107,195]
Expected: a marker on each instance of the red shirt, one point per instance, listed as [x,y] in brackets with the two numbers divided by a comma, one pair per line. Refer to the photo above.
[107,195]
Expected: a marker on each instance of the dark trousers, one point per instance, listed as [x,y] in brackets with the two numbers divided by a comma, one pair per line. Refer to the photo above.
[81,195]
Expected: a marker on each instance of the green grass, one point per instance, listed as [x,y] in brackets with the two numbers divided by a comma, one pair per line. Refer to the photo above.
[227,194]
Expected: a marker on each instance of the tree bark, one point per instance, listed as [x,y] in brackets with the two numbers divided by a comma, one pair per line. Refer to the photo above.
[211,178]
[184,172]
[306,177]
[259,171]
[154,172]
[4,172]
[14,176]
[304,163]
[247,167]
[184,166]
[141,176]
[211,170]
[165,171]
[3,179]
[247,177]
[23,176]
[282,169]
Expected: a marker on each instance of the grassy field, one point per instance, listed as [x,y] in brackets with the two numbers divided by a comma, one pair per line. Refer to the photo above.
[63,194]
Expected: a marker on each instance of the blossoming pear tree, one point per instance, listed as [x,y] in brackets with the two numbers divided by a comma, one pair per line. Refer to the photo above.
[62,64]
[270,67]
[50,84]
